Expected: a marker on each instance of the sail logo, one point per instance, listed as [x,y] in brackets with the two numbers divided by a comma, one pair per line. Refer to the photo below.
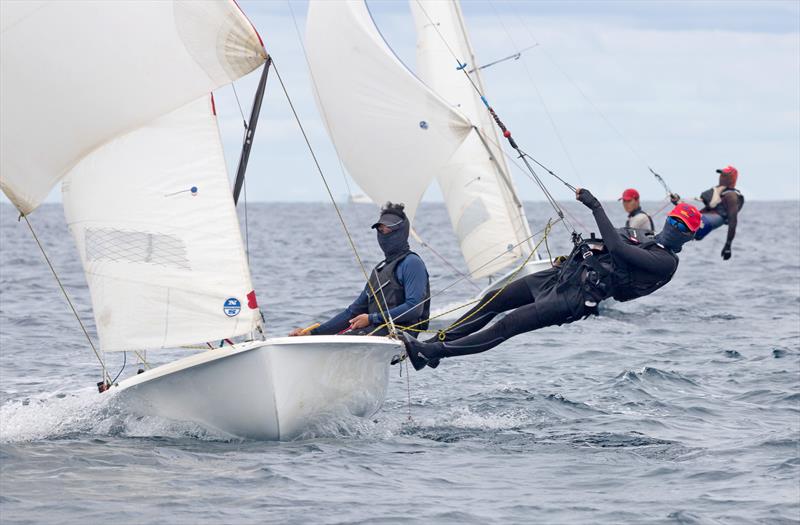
[232,307]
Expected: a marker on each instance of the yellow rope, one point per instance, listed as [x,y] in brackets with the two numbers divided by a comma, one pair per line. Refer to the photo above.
[492,298]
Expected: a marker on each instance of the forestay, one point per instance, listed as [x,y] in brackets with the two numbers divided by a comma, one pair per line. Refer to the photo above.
[76,74]
[155,225]
[486,215]
[392,133]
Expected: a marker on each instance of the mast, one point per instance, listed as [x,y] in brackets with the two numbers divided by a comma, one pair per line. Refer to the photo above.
[250,131]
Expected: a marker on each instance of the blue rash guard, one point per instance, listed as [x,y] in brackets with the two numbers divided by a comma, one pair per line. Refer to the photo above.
[411,273]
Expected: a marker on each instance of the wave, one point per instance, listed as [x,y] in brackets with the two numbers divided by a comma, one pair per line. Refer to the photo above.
[54,416]
[654,375]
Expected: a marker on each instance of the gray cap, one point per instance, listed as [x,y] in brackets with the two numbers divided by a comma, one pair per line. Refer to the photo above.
[389,219]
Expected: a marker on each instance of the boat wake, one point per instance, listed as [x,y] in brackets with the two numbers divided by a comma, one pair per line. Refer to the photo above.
[66,415]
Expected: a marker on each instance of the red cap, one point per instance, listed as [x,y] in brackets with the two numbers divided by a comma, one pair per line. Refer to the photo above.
[688,214]
[730,173]
[629,195]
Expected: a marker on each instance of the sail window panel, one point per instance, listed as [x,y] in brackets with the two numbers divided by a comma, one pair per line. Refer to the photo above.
[153,218]
[136,247]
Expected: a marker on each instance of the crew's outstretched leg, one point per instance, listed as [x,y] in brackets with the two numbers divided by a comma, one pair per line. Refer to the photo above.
[515,295]
[554,309]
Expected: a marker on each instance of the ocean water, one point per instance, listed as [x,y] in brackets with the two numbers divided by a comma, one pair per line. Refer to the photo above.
[681,407]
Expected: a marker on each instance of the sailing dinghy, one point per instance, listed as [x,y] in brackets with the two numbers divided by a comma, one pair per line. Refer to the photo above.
[413,146]
[131,130]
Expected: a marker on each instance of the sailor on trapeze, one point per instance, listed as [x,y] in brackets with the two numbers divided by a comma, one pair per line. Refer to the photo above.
[722,205]
[625,265]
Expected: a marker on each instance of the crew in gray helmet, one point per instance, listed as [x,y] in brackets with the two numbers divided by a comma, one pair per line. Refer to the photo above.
[398,287]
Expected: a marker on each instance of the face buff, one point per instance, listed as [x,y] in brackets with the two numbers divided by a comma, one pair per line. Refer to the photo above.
[395,242]
[673,239]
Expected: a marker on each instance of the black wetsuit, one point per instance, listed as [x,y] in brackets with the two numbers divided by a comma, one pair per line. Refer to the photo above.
[559,295]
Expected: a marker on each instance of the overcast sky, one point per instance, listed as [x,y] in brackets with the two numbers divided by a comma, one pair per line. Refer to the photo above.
[690,86]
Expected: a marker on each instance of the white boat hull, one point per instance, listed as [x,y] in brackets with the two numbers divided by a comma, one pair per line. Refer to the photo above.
[272,390]
[452,311]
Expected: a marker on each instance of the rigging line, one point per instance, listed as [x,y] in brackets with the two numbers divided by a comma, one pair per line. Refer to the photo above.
[330,193]
[408,389]
[525,172]
[515,56]
[496,293]
[443,259]
[583,94]
[550,118]
[661,180]
[508,184]
[106,377]
[461,65]
[321,108]
[548,170]
[143,358]
[246,226]
[549,225]
[241,112]
[506,132]
[124,363]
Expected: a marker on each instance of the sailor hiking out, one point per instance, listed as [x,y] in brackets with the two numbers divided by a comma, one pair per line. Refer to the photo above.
[625,264]
[722,204]
[398,289]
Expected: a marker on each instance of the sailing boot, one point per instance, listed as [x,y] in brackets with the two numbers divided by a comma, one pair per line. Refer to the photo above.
[422,354]
[429,354]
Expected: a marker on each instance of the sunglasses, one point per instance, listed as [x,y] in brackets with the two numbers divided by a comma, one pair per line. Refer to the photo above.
[679,224]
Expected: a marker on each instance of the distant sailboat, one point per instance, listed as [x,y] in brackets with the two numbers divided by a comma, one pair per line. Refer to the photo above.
[125,119]
[417,128]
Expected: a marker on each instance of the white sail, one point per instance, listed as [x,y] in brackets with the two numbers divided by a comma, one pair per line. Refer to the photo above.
[391,132]
[75,74]
[486,215]
[156,228]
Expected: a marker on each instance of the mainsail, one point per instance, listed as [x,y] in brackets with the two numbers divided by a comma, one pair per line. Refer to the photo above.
[101,94]
[391,132]
[75,74]
[487,217]
[153,218]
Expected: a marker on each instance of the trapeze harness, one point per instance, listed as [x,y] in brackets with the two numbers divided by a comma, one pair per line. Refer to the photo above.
[604,276]
[713,199]
[391,293]
[634,213]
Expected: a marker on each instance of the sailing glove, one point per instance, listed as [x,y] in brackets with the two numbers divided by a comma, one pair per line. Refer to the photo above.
[726,252]
[674,198]
[588,200]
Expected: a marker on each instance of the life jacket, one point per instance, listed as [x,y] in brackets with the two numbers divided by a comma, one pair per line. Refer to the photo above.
[634,213]
[606,276]
[713,200]
[391,293]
